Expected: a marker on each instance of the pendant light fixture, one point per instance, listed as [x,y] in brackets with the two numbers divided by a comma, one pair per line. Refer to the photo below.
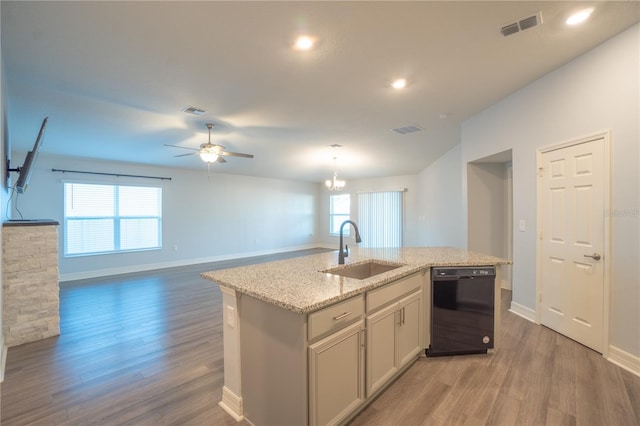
[335,184]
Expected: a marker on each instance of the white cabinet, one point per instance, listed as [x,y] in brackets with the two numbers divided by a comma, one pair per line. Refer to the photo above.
[381,347]
[336,375]
[394,332]
[410,328]
[313,368]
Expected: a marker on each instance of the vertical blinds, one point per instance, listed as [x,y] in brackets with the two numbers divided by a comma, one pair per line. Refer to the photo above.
[380,218]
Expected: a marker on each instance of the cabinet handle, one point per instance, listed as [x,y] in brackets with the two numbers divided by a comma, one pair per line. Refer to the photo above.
[339,317]
[403,316]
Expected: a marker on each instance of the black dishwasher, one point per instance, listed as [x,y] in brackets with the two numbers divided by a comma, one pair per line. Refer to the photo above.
[462,310]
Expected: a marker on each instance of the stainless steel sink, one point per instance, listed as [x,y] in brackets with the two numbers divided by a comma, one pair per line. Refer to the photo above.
[361,271]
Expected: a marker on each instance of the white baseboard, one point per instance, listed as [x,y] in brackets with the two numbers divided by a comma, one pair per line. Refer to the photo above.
[232,404]
[172,264]
[523,311]
[623,359]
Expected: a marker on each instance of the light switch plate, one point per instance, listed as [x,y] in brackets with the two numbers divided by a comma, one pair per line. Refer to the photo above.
[522,225]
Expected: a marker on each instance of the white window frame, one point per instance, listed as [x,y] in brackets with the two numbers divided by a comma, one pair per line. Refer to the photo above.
[116,217]
[344,216]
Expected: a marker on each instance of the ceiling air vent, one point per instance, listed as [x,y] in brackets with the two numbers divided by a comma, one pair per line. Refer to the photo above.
[407,129]
[193,110]
[522,24]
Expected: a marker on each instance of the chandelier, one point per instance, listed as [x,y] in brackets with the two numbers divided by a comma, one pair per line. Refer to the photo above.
[335,184]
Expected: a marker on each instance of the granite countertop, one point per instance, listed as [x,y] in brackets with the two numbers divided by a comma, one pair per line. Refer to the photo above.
[299,285]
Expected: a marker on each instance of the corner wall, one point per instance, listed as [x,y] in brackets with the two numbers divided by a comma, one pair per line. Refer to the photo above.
[597,91]
[441,218]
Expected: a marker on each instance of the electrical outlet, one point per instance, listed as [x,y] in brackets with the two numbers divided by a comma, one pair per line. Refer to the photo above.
[522,226]
[175,247]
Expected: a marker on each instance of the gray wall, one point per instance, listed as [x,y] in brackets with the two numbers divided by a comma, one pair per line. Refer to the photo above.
[486,199]
[207,218]
[441,217]
[595,92]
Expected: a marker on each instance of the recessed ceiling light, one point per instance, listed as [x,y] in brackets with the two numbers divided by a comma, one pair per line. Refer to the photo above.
[304,43]
[579,17]
[398,84]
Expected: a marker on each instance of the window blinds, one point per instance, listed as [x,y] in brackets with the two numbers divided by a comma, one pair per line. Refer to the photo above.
[380,217]
[111,218]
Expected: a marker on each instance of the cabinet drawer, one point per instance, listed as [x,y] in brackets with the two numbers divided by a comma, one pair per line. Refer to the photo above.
[335,316]
[390,292]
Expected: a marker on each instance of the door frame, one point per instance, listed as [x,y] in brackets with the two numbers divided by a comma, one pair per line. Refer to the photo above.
[606,250]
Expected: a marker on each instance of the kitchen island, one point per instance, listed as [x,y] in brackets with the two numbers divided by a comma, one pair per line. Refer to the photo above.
[305,346]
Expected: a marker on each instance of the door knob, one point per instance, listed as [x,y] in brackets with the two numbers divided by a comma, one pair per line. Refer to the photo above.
[594,256]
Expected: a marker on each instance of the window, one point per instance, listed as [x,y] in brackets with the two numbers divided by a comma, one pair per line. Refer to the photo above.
[339,211]
[102,219]
[380,218]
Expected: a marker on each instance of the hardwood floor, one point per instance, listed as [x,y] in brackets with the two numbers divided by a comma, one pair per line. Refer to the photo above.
[536,377]
[146,349]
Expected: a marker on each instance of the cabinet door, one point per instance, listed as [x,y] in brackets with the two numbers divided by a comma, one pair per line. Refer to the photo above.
[381,347]
[336,375]
[410,328]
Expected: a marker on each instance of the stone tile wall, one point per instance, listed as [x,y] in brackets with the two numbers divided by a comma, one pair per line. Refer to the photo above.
[30,309]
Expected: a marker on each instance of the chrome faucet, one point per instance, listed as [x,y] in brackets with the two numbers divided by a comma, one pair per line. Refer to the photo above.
[344,253]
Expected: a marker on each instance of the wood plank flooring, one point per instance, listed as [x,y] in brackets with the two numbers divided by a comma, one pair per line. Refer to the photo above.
[146,349]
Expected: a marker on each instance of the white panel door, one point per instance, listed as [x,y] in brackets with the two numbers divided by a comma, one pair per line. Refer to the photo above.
[573,241]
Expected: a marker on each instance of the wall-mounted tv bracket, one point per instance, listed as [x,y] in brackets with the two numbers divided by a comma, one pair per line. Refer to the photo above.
[9,169]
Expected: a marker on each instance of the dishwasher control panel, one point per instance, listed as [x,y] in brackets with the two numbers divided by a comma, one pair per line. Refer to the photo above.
[463,272]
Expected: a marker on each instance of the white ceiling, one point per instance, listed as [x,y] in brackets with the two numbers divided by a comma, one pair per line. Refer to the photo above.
[114,76]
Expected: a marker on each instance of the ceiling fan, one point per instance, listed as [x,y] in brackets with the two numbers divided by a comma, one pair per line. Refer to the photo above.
[210,152]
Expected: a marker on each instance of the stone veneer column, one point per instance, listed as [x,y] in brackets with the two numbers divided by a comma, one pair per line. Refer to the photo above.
[30,287]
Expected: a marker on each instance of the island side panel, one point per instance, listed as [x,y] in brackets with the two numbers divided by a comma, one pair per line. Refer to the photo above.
[273,345]
[232,390]
[497,306]
[426,308]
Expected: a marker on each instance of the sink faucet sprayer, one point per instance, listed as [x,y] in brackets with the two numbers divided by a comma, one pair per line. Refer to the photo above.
[344,253]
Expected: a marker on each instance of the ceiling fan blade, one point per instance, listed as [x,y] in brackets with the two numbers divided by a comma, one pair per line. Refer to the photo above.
[221,160]
[236,154]
[183,147]
[185,155]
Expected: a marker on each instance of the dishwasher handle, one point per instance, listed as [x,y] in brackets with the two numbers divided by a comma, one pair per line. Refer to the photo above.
[447,278]
[460,277]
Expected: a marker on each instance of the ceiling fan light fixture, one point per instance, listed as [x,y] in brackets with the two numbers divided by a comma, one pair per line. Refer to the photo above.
[208,156]
[207,153]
